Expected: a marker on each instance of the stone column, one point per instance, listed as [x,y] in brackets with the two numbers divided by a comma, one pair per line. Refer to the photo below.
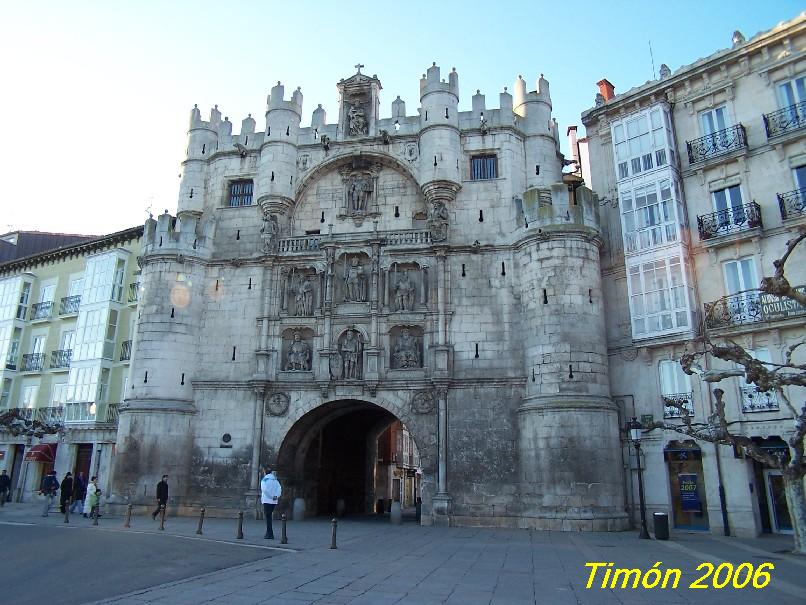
[442,500]
[441,296]
[257,438]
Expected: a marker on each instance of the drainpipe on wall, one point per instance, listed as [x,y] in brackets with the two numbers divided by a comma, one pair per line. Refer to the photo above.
[626,484]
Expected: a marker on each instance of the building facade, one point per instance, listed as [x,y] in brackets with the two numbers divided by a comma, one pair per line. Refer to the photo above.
[320,283]
[702,179]
[66,324]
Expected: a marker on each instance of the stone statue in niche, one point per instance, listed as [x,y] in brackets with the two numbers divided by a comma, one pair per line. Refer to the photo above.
[299,355]
[438,221]
[359,192]
[356,120]
[350,350]
[404,293]
[303,297]
[355,283]
[269,232]
[406,352]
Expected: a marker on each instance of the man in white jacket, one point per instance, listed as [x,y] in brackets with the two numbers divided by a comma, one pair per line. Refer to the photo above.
[270,492]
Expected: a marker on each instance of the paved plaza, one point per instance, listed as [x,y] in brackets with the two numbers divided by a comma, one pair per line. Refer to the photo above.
[375,562]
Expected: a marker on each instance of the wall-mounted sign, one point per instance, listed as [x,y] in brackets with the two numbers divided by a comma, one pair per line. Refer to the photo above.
[689,493]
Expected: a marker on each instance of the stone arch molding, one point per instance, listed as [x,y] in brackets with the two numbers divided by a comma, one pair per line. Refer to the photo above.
[343,159]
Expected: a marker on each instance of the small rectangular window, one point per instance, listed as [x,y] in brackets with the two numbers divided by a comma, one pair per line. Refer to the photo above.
[636,165]
[240,193]
[647,161]
[660,157]
[483,167]
[623,173]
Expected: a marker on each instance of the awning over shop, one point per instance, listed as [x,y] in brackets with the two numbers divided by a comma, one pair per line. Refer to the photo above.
[43,452]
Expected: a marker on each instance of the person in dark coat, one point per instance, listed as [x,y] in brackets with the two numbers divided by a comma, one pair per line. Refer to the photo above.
[162,496]
[66,491]
[79,492]
[5,487]
[48,488]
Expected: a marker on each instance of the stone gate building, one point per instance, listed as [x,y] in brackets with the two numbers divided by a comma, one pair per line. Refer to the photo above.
[319,283]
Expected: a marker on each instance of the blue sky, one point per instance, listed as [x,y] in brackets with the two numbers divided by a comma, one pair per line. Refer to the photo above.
[96,95]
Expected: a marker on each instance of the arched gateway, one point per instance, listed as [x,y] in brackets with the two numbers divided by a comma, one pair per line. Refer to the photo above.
[347,455]
[321,283]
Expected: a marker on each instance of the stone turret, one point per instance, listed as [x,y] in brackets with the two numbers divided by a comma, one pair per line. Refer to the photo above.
[543,163]
[440,144]
[277,167]
[202,142]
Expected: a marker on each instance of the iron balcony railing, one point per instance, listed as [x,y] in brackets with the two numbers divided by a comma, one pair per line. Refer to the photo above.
[750,307]
[69,305]
[33,362]
[80,411]
[126,350]
[24,413]
[134,293]
[677,404]
[730,220]
[51,415]
[754,400]
[41,310]
[716,144]
[792,203]
[785,120]
[61,358]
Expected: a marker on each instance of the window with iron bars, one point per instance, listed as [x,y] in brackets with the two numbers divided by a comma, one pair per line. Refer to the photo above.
[240,193]
[483,167]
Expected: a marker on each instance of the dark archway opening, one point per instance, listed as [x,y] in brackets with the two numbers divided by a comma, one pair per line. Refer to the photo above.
[350,457]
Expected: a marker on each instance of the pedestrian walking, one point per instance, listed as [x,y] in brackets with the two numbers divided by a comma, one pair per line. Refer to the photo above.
[92,487]
[95,502]
[66,492]
[162,496]
[270,492]
[48,489]
[5,487]
[79,492]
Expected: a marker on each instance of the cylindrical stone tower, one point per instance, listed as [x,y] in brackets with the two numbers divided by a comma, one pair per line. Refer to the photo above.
[440,146]
[277,168]
[543,166]
[571,469]
[202,143]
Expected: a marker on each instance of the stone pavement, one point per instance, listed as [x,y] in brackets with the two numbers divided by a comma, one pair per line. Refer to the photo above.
[379,563]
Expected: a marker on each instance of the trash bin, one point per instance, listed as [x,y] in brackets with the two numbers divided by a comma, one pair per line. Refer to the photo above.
[379,507]
[660,522]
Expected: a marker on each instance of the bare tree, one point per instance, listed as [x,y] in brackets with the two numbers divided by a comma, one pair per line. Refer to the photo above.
[15,422]
[765,377]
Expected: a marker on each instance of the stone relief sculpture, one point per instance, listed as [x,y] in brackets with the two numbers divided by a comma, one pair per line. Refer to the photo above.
[406,352]
[355,283]
[356,119]
[299,355]
[404,293]
[269,232]
[422,402]
[359,193]
[350,350]
[303,297]
[277,404]
[438,221]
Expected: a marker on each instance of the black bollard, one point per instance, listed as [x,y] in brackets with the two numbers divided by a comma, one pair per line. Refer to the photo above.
[66,512]
[333,525]
[201,522]
[162,517]
[128,521]
[283,535]
[95,511]
[239,535]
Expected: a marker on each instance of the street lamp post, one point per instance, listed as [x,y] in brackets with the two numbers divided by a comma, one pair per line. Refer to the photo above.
[634,430]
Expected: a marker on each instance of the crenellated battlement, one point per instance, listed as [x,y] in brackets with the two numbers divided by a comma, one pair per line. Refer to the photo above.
[275,100]
[557,207]
[430,82]
[186,235]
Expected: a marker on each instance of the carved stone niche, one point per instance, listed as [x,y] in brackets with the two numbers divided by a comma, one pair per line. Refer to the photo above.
[348,364]
[359,180]
[405,287]
[302,292]
[352,279]
[297,350]
[406,348]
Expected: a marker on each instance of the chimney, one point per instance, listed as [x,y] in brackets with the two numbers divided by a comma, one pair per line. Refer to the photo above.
[571,133]
[606,89]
